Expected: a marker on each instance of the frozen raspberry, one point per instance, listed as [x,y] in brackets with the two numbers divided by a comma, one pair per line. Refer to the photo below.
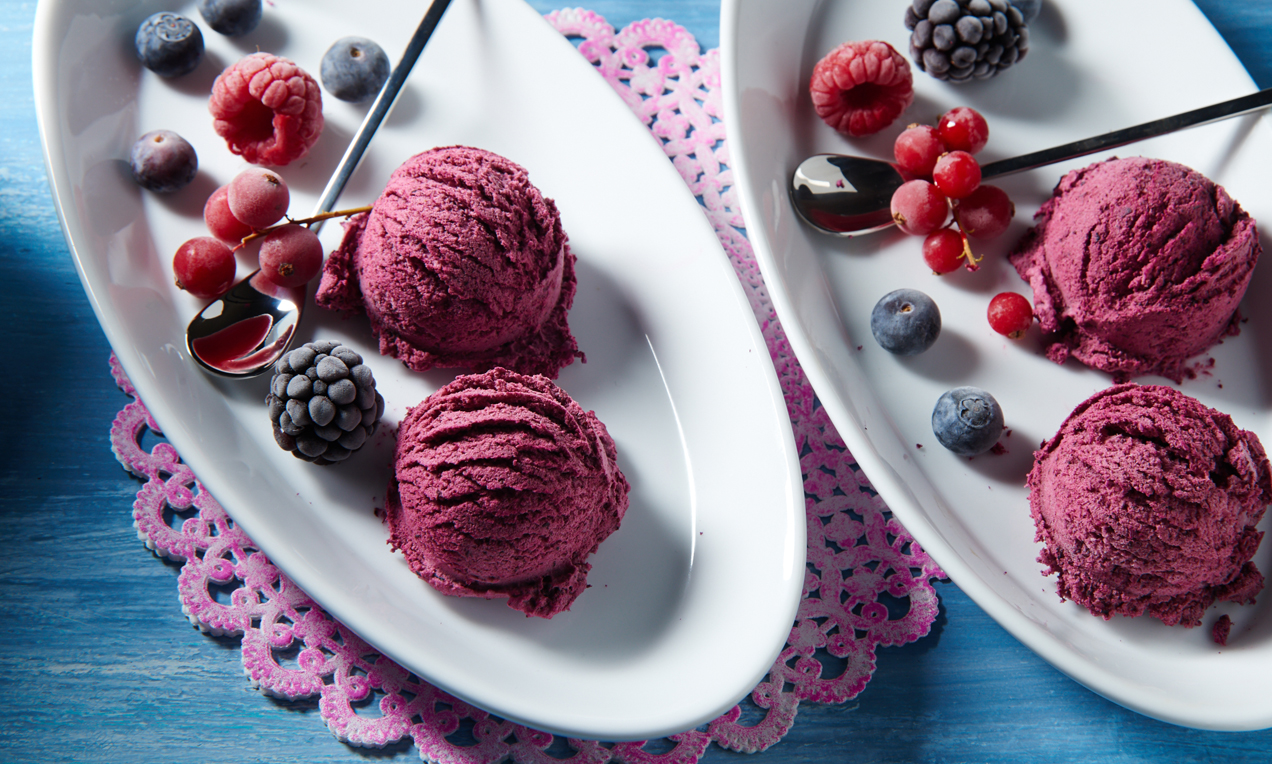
[860,88]
[267,109]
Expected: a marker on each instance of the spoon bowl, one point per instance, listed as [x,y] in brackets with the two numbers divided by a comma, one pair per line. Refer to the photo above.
[845,195]
[244,332]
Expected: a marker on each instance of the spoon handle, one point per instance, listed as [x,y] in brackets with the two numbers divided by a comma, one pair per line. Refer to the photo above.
[379,110]
[1202,116]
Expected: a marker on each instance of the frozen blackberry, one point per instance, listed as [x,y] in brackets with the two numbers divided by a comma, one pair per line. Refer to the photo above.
[323,403]
[961,40]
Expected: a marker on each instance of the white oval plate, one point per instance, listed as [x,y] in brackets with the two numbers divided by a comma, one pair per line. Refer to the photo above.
[1092,67]
[693,598]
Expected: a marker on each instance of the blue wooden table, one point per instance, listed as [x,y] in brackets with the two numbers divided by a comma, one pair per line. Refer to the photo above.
[97,662]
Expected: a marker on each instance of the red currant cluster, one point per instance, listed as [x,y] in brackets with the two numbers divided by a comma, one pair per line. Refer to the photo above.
[947,183]
[246,209]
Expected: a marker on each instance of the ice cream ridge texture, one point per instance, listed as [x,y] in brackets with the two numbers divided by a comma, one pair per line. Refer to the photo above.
[1136,266]
[503,487]
[1146,501]
[461,263]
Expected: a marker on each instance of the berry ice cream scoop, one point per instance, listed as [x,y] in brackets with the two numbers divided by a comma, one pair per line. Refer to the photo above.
[1147,502]
[503,487]
[1136,266]
[461,263]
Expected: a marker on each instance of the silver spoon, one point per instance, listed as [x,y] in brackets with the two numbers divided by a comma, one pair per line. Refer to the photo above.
[243,333]
[849,195]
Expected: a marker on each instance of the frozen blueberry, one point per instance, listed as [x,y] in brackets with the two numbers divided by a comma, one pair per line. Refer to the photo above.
[905,322]
[231,18]
[169,45]
[967,421]
[163,161]
[354,69]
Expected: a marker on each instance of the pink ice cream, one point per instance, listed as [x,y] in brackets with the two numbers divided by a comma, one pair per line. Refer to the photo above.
[1136,266]
[503,487]
[461,263]
[1147,502]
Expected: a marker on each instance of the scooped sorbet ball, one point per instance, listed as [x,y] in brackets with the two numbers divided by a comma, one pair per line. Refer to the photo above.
[1137,265]
[504,487]
[461,263]
[1147,502]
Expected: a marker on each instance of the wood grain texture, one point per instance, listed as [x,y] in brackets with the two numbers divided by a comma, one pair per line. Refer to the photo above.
[98,664]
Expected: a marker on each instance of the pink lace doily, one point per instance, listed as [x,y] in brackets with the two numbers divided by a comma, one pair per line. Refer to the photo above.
[860,559]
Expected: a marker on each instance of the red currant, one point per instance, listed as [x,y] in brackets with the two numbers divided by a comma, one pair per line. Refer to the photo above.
[957,174]
[985,213]
[291,255]
[944,251]
[220,221]
[964,129]
[258,197]
[204,267]
[917,149]
[918,208]
[1010,314]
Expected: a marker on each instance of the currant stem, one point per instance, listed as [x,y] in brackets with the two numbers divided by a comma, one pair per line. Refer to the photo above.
[973,262]
[301,221]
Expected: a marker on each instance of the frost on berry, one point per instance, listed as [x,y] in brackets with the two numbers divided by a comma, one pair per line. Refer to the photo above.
[163,162]
[985,213]
[860,88]
[220,220]
[917,150]
[204,267]
[268,110]
[919,208]
[258,197]
[965,40]
[290,255]
[323,402]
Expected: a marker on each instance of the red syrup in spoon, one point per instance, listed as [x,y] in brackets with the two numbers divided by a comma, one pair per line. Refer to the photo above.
[234,348]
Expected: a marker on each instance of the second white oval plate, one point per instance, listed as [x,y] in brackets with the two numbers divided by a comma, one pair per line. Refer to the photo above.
[1092,67]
